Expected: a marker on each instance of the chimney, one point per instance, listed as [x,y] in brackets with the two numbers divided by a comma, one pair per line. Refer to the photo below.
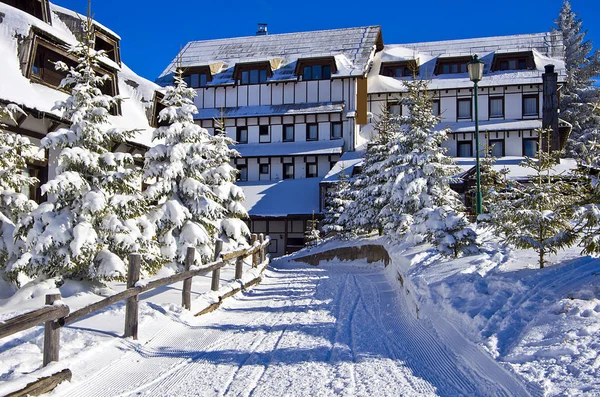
[550,106]
[262,29]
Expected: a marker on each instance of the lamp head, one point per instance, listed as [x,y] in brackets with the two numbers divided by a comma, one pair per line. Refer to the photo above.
[475,68]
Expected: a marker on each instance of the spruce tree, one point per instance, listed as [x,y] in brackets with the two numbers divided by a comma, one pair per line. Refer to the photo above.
[337,200]
[189,210]
[418,174]
[14,205]
[538,214]
[582,65]
[369,197]
[93,218]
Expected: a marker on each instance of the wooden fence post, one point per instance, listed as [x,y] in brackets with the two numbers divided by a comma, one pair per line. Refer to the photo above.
[186,298]
[216,274]
[255,255]
[131,305]
[239,267]
[51,334]
[261,239]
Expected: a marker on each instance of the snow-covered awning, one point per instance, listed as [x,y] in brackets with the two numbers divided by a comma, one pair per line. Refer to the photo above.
[281,198]
[312,148]
[270,110]
[513,169]
[492,125]
[345,164]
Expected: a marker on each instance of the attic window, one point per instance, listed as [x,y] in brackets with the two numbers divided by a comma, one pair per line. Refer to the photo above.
[38,8]
[43,69]
[252,73]
[399,69]
[108,44]
[157,107]
[513,61]
[452,65]
[316,68]
[110,88]
[197,77]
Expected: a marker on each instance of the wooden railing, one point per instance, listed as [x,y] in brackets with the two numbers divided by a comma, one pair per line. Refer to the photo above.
[56,314]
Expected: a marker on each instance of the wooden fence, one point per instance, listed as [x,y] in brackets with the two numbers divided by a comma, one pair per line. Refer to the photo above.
[56,314]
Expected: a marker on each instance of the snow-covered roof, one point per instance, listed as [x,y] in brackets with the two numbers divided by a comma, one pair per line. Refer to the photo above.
[545,49]
[269,110]
[346,163]
[352,49]
[16,88]
[513,168]
[310,148]
[492,125]
[281,198]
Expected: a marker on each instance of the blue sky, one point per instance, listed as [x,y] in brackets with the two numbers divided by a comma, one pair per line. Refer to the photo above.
[152,31]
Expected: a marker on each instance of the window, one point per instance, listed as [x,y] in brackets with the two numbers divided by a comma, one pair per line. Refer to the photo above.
[37,8]
[253,76]
[241,135]
[316,72]
[399,69]
[196,80]
[288,133]
[312,132]
[33,191]
[288,171]
[530,147]
[43,69]
[464,149]
[530,105]
[394,108]
[435,107]
[157,108]
[336,130]
[263,169]
[108,44]
[513,61]
[452,65]
[263,130]
[242,174]
[311,170]
[496,107]
[496,147]
[464,108]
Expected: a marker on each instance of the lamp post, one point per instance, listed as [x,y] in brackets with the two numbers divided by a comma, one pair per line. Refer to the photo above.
[476,74]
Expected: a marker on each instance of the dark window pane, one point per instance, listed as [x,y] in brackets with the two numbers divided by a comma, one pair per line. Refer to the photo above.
[288,171]
[497,148]
[464,149]
[254,76]
[203,80]
[307,75]
[311,170]
[288,133]
[326,72]
[316,71]
[263,130]
[522,64]
[264,168]
[312,132]
[530,147]
[243,173]
[263,76]
[245,77]
[336,130]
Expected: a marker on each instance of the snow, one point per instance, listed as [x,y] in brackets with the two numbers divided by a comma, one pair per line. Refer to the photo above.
[269,110]
[281,198]
[512,166]
[491,125]
[310,148]
[346,164]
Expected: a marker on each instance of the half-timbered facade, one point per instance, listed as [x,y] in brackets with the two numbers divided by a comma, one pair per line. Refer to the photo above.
[293,103]
[34,35]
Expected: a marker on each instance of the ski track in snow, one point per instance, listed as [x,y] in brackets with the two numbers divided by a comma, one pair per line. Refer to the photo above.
[336,330]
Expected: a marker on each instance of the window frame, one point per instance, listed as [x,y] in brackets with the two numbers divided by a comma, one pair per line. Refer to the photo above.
[407,68]
[44,9]
[459,62]
[537,105]
[293,175]
[283,130]
[111,41]
[458,101]
[333,124]
[439,109]
[464,142]
[261,169]
[391,104]
[316,165]
[238,131]
[523,145]
[308,127]
[495,98]
[492,142]
[238,176]
[246,69]
[319,62]
[264,137]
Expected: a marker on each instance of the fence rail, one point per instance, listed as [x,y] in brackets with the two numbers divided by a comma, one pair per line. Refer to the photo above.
[56,314]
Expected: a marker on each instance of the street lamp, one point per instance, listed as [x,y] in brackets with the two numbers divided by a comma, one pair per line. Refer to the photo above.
[476,74]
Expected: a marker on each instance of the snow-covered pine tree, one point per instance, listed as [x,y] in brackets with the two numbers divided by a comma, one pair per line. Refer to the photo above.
[222,176]
[418,174]
[93,218]
[336,201]
[189,211]
[491,180]
[312,236]
[14,205]
[538,214]
[582,65]
[362,214]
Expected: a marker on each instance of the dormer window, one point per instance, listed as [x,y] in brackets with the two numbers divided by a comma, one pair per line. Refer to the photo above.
[316,68]
[198,76]
[157,107]
[513,61]
[252,73]
[109,44]
[38,8]
[43,69]
[452,65]
[399,69]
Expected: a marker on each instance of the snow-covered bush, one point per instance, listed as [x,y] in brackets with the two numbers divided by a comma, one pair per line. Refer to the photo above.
[14,205]
[418,174]
[336,201]
[93,218]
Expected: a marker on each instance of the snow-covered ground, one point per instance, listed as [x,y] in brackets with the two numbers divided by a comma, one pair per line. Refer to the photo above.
[491,324]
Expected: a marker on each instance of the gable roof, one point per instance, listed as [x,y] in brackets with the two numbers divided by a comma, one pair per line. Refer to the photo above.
[351,48]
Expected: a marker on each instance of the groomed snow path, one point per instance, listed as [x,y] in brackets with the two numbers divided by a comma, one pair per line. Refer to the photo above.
[336,330]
